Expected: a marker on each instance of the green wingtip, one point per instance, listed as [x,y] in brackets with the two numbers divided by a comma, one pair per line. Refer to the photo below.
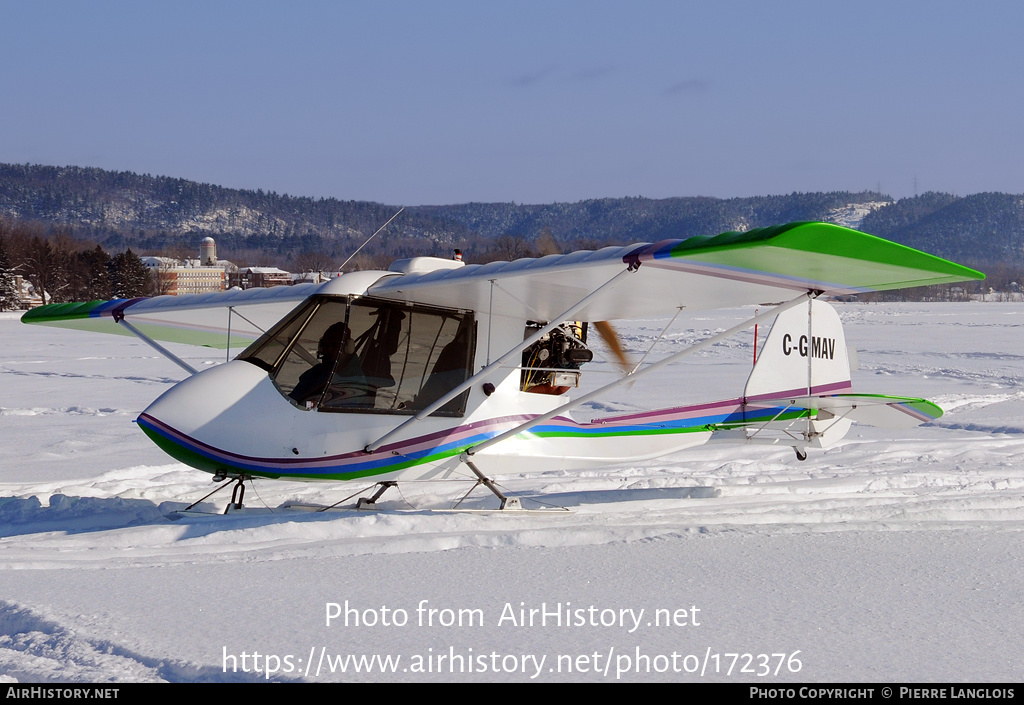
[60,312]
[841,241]
[846,255]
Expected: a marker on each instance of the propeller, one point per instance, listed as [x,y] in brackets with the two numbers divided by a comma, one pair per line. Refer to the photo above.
[611,339]
[547,245]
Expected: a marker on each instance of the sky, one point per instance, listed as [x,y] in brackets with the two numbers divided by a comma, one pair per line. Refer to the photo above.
[440,102]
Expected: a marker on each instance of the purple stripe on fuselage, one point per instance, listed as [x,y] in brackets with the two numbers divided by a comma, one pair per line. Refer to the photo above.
[735,404]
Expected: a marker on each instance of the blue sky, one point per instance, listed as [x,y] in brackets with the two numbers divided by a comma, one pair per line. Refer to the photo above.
[534,102]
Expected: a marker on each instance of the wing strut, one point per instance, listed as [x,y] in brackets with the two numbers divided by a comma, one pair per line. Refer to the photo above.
[155,345]
[486,371]
[707,342]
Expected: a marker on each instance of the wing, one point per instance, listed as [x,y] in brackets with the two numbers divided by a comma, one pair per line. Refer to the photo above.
[196,319]
[731,269]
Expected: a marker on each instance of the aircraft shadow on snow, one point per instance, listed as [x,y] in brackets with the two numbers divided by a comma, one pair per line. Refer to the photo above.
[20,516]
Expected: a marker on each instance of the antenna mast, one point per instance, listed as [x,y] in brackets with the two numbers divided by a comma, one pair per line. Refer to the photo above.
[369,238]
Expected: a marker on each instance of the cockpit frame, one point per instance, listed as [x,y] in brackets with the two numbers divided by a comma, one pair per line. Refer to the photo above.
[360,354]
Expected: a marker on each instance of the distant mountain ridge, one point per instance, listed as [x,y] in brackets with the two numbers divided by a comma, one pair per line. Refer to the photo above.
[142,211]
[985,227]
[119,209]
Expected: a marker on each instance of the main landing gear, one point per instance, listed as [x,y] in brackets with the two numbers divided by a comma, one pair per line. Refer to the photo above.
[237,492]
[371,502]
[237,484]
[507,503]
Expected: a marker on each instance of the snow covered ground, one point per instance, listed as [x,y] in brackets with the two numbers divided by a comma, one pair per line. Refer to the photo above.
[894,556]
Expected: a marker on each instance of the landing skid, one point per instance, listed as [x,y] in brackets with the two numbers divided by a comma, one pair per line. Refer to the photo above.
[518,511]
[237,482]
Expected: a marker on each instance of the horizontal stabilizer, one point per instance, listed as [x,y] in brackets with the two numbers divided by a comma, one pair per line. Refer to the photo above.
[870,409]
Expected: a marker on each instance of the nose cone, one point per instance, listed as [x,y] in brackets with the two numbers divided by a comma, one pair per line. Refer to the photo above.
[221,418]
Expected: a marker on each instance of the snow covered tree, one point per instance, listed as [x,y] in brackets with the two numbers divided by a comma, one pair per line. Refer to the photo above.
[8,282]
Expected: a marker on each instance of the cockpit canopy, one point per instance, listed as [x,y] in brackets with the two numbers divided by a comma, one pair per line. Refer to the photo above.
[359,354]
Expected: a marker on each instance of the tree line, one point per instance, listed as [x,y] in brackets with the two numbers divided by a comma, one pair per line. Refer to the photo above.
[62,268]
[60,260]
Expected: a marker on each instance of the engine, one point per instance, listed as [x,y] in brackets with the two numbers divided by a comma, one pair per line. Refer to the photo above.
[551,365]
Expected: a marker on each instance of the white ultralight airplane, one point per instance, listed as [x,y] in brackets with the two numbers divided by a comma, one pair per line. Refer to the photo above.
[433,367]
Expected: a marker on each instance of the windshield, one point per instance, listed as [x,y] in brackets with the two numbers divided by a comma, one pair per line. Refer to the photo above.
[368,355]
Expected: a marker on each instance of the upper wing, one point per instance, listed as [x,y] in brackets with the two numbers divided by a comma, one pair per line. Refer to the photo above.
[762,265]
[197,319]
[731,269]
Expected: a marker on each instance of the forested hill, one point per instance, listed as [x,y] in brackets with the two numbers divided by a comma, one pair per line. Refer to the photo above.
[624,220]
[984,227]
[147,213]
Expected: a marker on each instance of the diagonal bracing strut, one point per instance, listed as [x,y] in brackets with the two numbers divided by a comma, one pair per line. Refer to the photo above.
[636,374]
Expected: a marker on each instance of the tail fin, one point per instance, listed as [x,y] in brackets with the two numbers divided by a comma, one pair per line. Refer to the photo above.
[804,372]
[805,355]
